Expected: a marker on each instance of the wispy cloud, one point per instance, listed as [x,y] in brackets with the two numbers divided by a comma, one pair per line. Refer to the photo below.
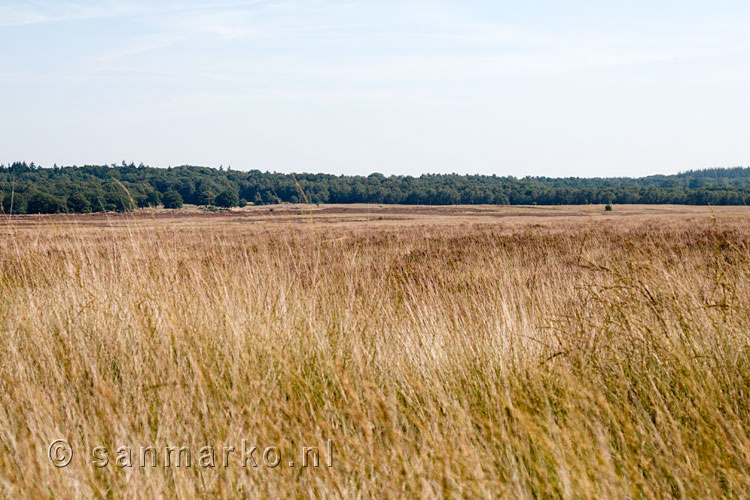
[15,13]
[314,46]
[23,14]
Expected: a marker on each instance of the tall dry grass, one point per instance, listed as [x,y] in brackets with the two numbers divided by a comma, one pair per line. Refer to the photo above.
[574,361]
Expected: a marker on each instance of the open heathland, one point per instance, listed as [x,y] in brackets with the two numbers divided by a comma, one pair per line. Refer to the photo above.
[445,352]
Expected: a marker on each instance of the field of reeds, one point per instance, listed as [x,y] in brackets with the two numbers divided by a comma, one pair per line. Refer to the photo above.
[539,357]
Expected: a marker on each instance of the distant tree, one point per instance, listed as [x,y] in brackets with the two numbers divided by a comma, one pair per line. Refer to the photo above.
[14,203]
[227,199]
[44,203]
[141,201]
[608,207]
[119,201]
[116,187]
[243,203]
[206,197]
[153,197]
[172,199]
[78,203]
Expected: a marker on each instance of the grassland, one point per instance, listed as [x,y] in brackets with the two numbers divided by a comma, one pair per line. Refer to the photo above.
[457,352]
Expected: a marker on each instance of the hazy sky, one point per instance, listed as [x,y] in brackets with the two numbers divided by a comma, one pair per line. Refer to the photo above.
[585,88]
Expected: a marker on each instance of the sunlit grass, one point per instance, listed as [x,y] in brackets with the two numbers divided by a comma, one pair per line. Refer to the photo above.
[589,360]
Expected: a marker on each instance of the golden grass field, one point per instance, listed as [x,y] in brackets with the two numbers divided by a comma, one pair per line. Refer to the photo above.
[448,352]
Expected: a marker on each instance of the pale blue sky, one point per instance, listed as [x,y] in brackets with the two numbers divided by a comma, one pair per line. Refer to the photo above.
[578,88]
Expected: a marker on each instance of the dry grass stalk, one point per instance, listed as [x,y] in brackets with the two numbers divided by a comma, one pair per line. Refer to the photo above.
[577,360]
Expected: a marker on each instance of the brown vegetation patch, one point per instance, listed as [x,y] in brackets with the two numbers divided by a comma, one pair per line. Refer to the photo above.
[482,352]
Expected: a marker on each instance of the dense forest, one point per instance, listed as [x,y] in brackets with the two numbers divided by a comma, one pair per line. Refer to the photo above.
[28,188]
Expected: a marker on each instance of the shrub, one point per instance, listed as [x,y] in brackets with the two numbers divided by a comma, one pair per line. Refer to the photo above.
[172,199]
[227,199]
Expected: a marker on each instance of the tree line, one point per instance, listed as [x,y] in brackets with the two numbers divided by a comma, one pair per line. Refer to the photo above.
[29,188]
